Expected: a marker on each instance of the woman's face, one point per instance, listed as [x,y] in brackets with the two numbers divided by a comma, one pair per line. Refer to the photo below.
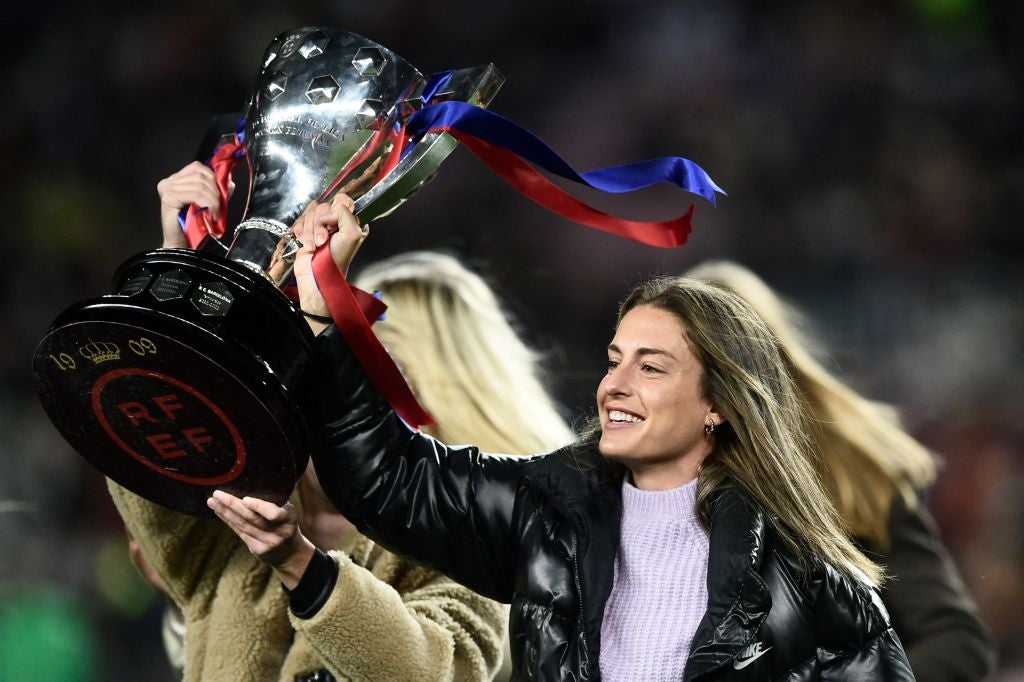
[650,402]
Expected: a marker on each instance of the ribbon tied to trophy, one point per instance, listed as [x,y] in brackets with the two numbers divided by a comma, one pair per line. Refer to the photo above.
[197,372]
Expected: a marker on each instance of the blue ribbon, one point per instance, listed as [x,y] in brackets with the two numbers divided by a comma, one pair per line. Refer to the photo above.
[496,129]
[435,83]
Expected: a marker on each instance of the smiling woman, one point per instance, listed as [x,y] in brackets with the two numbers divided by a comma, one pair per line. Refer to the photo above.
[651,404]
[708,373]
[684,535]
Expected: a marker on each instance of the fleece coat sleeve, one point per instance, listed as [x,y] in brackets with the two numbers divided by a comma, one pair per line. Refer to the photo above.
[388,619]
[236,624]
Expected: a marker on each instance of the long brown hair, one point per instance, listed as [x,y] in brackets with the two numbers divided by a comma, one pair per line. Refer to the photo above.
[866,456]
[763,447]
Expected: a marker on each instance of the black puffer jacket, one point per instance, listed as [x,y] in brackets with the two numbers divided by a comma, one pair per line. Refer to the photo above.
[541,533]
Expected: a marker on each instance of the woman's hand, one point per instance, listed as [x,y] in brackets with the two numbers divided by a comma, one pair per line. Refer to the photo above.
[318,224]
[270,532]
[193,184]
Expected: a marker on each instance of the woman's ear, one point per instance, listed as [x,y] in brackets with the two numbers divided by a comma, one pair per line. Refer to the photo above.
[715,416]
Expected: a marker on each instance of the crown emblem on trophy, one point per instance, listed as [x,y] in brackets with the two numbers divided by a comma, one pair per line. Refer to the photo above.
[100,351]
[329,112]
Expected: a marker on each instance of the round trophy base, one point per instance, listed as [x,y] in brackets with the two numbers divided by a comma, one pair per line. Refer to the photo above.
[194,375]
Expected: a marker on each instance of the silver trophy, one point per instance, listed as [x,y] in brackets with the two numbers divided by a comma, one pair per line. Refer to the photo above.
[318,123]
[196,372]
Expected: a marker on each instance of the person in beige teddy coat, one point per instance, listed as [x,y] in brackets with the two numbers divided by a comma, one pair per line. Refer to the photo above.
[385,618]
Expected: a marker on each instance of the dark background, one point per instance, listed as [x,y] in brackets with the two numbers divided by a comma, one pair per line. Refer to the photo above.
[871,151]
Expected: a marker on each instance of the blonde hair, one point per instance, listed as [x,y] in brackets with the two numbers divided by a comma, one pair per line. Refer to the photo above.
[866,456]
[762,447]
[447,331]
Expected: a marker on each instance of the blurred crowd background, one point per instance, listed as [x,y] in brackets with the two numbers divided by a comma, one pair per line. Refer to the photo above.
[872,152]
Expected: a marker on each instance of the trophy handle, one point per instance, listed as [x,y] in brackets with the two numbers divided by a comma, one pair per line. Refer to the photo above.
[476,85]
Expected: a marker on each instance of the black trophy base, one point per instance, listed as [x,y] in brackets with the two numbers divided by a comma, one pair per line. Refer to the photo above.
[196,374]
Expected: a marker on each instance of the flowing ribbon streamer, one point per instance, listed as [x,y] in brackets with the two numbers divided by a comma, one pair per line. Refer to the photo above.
[509,149]
[197,222]
[533,185]
[369,351]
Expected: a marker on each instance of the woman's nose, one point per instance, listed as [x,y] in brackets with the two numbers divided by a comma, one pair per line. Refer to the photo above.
[615,382]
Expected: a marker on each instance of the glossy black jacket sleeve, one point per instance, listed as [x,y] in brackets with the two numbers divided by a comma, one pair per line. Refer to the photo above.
[931,610]
[449,508]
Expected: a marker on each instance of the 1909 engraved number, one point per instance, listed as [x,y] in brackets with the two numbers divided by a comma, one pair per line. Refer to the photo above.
[63,361]
[142,347]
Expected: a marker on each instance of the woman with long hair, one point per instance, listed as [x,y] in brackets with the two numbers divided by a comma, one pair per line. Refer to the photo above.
[875,472]
[687,537]
[362,612]
[453,340]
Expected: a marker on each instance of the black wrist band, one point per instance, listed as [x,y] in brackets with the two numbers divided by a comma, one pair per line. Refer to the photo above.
[314,587]
[325,319]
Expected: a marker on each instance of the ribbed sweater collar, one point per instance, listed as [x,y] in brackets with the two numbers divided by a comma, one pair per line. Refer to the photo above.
[678,503]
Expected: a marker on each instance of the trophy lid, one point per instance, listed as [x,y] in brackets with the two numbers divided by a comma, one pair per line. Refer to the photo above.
[321,101]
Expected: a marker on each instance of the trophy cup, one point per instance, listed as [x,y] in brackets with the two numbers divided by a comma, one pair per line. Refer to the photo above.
[197,372]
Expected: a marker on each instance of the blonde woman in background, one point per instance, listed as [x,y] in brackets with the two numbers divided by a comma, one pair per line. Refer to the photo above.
[447,331]
[875,472]
[383,618]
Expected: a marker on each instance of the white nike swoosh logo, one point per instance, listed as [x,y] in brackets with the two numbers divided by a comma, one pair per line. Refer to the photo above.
[740,665]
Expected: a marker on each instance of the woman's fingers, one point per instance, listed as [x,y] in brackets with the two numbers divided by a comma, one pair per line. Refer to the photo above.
[269,531]
[350,235]
[319,221]
[193,184]
[299,227]
[231,510]
[325,221]
[343,201]
[250,514]
[322,223]
[270,512]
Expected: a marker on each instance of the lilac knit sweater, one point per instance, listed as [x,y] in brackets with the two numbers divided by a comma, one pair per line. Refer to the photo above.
[659,592]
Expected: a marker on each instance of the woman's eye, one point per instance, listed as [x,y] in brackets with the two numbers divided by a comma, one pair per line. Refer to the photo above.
[612,364]
[651,369]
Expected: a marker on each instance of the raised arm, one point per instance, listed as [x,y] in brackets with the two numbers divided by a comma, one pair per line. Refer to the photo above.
[449,508]
[453,508]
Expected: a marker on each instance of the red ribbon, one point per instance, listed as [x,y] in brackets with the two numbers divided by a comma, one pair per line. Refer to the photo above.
[373,308]
[198,223]
[351,308]
[527,180]
[351,320]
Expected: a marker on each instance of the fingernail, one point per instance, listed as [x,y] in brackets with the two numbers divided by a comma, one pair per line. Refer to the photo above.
[320,239]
